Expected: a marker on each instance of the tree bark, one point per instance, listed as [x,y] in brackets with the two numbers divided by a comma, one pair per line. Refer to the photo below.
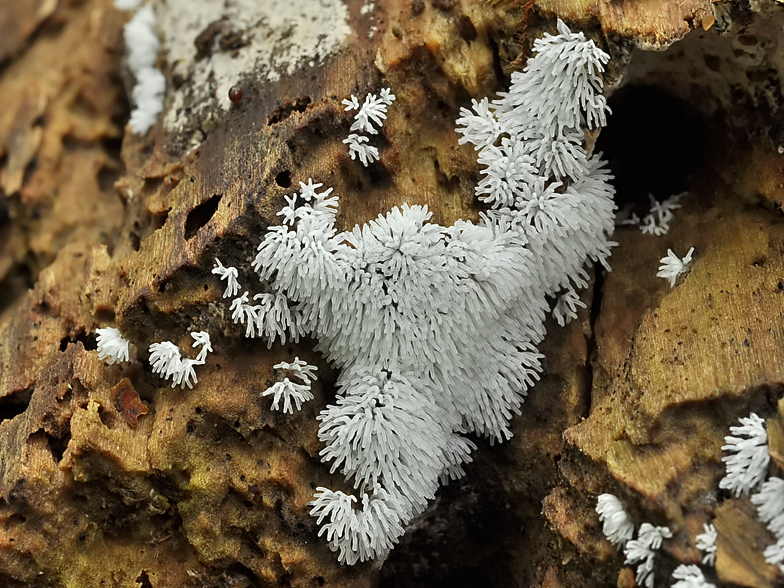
[110,477]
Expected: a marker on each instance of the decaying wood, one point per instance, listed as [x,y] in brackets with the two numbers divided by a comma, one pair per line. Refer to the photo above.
[107,474]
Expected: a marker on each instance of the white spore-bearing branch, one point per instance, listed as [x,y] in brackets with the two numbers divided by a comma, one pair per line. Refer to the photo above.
[112,346]
[672,266]
[747,456]
[229,274]
[690,577]
[770,508]
[616,524]
[290,391]
[706,542]
[642,552]
[416,314]
[166,360]
[619,529]
[657,221]
[372,112]
[142,44]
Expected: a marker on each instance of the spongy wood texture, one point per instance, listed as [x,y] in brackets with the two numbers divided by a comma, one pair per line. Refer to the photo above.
[109,477]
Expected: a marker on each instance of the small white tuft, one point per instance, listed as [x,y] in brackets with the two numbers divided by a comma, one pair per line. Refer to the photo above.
[111,345]
[299,369]
[373,112]
[770,508]
[141,43]
[289,391]
[351,104]
[370,115]
[618,528]
[657,222]
[690,577]
[356,148]
[747,462]
[706,542]
[566,307]
[202,339]
[230,275]
[166,360]
[671,266]
[632,220]
[643,550]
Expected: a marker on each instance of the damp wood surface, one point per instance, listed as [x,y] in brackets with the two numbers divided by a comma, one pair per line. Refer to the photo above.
[110,477]
[653,24]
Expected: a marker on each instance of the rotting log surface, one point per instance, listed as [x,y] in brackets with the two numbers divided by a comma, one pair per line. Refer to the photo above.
[209,487]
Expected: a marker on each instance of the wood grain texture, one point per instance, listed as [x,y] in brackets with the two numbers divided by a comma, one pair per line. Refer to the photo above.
[210,488]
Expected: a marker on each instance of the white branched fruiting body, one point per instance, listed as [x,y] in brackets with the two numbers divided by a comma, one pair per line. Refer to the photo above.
[375,527]
[566,306]
[392,417]
[770,508]
[546,109]
[142,44]
[289,391]
[747,462]
[706,542]
[642,551]
[166,360]
[657,221]
[230,275]
[435,328]
[202,339]
[372,112]
[690,577]
[672,266]
[617,526]
[111,345]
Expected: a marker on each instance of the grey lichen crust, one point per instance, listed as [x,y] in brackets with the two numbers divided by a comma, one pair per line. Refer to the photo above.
[213,44]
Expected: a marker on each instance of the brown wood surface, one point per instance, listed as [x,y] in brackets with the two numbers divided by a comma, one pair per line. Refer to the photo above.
[108,474]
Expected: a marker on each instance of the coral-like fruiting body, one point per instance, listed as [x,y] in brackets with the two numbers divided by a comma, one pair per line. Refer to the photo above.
[434,328]
[617,526]
[111,345]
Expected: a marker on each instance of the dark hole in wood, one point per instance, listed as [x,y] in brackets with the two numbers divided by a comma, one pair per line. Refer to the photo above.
[283,179]
[201,215]
[88,340]
[136,241]
[466,28]
[107,418]
[15,404]
[653,142]
[58,445]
